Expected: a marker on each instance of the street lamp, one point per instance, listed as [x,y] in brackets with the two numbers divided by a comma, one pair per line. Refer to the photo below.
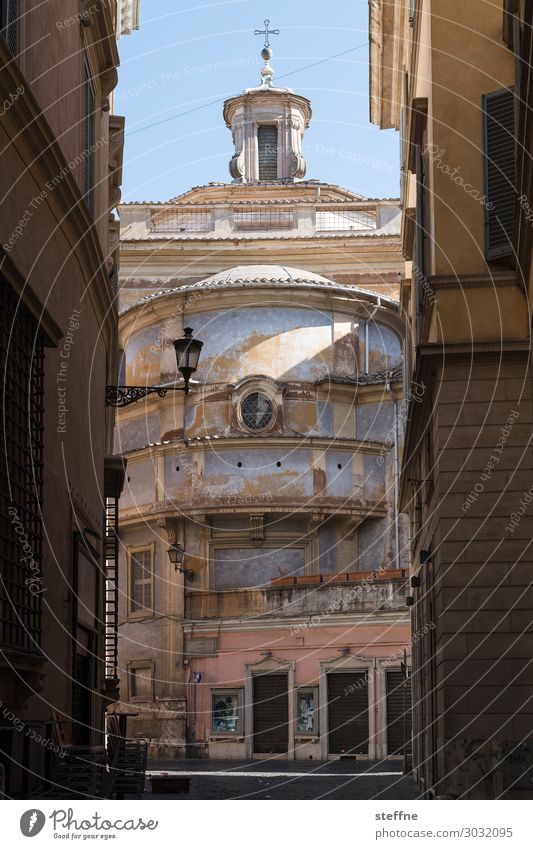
[176,553]
[187,356]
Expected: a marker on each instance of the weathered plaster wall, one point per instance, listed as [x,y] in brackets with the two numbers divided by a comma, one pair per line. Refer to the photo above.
[285,343]
[255,567]
[325,487]
[222,476]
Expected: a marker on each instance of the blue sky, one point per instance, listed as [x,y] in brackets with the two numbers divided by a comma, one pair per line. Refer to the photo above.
[188,57]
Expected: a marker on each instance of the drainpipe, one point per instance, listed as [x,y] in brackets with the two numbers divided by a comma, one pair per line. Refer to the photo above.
[367,322]
[396,473]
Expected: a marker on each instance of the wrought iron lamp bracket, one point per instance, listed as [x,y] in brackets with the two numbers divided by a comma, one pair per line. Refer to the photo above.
[123,396]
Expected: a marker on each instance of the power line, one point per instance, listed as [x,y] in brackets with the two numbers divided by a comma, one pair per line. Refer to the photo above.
[222,99]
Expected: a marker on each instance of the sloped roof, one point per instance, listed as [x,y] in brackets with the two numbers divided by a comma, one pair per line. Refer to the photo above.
[259,276]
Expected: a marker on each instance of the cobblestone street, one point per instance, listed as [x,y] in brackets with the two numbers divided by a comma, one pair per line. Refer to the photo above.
[284,780]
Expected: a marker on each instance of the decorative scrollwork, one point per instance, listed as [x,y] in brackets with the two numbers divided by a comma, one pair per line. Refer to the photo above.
[123,396]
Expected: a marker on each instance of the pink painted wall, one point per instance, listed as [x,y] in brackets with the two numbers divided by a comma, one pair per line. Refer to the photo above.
[236,649]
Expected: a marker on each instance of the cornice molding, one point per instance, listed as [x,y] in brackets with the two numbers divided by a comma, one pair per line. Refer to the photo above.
[244,442]
[347,300]
[212,627]
[327,391]
[472,281]
[100,42]
[143,514]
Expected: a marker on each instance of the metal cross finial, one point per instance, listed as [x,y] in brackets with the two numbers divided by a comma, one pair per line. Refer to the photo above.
[266,32]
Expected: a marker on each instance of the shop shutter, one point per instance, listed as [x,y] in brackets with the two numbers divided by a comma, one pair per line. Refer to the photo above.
[348,712]
[271,713]
[398,713]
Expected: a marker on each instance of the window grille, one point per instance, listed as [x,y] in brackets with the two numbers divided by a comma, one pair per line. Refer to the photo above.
[111,588]
[257,411]
[182,221]
[113,281]
[141,581]
[21,474]
[344,219]
[263,219]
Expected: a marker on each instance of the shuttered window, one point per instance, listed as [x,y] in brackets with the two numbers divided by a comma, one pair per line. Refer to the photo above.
[267,142]
[9,23]
[420,264]
[500,172]
[141,581]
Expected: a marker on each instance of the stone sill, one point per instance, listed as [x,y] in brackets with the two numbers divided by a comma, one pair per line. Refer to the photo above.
[227,739]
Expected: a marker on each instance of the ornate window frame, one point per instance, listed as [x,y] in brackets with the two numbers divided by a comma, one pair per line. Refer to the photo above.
[263,385]
[315,732]
[238,692]
[280,541]
[132,667]
[148,612]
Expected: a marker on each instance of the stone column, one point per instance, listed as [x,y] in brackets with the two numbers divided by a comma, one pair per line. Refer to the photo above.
[252,153]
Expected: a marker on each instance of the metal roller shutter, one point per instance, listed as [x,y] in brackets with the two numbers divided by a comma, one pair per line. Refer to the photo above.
[398,712]
[348,712]
[271,713]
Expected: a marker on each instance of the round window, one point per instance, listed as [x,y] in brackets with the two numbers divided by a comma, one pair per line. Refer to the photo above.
[257,411]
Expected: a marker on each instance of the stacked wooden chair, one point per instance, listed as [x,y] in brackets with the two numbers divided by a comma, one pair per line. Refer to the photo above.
[75,772]
[127,763]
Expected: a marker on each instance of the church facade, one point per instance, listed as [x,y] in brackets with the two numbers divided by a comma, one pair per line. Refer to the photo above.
[284,632]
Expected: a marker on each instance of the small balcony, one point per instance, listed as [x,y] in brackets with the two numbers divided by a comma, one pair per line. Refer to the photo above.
[304,596]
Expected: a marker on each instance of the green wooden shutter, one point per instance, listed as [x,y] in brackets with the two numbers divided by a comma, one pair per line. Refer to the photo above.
[500,172]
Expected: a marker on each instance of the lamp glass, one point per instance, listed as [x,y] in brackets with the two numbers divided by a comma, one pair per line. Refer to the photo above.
[187,353]
[176,554]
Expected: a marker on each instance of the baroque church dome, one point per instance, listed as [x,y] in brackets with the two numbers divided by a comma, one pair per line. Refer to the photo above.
[243,274]
[259,276]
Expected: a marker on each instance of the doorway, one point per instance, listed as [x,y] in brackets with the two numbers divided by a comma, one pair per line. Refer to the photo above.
[270,713]
[348,728]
